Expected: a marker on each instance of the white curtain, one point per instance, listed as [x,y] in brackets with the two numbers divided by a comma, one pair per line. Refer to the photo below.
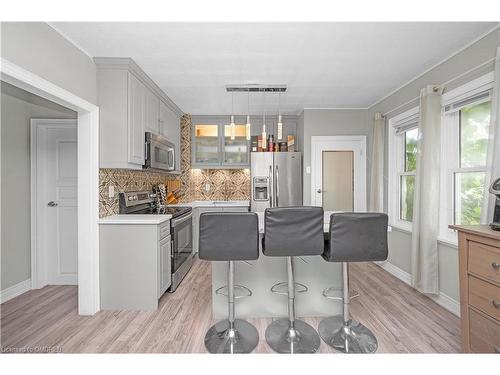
[493,158]
[376,202]
[424,252]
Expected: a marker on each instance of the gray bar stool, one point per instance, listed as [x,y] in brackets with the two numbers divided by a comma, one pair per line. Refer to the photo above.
[353,237]
[230,236]
[290,232]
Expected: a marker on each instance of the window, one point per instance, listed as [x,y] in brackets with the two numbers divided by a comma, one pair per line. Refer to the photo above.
[464,153]
[464,140]
[403,136]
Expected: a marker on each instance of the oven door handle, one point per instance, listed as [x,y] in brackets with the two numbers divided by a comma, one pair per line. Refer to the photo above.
[179,220]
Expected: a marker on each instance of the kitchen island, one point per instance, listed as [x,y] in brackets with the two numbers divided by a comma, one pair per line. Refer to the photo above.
[260,275]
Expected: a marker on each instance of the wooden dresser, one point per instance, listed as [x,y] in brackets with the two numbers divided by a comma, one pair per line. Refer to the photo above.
[479,263]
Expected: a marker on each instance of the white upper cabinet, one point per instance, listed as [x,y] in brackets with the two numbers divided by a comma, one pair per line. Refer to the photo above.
[136,119]
[170,128]
[152,112]
[130,104]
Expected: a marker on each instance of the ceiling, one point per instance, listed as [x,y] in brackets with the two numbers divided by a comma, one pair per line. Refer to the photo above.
[324,65]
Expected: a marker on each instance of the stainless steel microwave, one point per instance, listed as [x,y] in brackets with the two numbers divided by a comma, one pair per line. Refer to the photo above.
[160,153]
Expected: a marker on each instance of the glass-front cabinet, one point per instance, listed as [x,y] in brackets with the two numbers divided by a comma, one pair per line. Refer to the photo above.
[212,146]
[206,145]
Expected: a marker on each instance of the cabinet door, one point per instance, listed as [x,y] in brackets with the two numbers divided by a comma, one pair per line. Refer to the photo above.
[135,129]
[235,152]
[206,145]
[165,264]
[170,127]
[152,112]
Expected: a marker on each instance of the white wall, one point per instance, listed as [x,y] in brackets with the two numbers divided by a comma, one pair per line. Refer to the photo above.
[329,122]
[17,108]
[465,61]
[38,48]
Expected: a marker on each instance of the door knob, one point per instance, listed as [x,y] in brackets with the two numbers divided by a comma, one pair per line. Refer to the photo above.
[52,204]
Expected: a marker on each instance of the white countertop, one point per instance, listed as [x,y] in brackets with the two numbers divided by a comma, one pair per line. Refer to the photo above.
[195,204]
[135,219]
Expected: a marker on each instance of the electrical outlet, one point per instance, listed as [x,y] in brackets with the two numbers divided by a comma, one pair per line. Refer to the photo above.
[207,187]
[111,191]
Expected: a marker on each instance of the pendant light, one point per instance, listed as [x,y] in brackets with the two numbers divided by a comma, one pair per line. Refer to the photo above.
[233,126]
[248,130]
[280,122]
[264,135]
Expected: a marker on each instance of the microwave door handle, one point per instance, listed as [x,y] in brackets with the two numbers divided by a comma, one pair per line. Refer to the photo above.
[147,148]
[171,159]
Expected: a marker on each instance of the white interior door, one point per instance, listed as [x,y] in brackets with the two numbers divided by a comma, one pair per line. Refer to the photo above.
[56,190]
[338,172]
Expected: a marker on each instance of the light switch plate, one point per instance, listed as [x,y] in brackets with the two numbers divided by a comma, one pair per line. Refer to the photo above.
[111,191]
[308,170]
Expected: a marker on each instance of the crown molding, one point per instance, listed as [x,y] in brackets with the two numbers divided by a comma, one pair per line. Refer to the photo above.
[128,64]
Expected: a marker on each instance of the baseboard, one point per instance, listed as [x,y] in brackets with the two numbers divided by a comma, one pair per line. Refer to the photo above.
[441,299]
[15,290]
[396,271]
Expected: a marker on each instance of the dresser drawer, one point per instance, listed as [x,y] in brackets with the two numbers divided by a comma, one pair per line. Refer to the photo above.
[485,297]
[484,333]
[484,261]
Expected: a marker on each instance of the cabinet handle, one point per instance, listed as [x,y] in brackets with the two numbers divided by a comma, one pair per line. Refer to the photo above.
[496,304]
[495,265]
[497,349]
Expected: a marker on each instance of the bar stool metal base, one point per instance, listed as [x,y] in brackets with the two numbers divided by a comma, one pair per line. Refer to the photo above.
[220,339]
[282,339]
[351,338]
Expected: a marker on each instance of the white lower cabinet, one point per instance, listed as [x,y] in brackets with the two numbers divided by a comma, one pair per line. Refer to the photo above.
[134,265]
[164,265]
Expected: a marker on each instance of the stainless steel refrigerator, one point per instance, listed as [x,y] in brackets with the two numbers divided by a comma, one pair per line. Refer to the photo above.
[276,179]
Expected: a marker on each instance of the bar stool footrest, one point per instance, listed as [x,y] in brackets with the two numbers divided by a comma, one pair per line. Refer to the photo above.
[240,291]
[335,293]
[282,288]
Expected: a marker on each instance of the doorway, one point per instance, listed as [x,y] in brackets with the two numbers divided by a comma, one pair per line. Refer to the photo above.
[54,249]
[338,172]
[88,176]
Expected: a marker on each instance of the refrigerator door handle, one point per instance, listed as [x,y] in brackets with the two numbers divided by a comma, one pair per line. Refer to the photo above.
[270,187]
[277,187]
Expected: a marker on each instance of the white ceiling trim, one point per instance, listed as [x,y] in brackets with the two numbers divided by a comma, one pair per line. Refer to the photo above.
[435,66]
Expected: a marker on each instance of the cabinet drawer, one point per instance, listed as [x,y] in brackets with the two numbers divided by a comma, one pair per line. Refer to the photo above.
[484,260]
[164,230]
[484,333]
[485,297]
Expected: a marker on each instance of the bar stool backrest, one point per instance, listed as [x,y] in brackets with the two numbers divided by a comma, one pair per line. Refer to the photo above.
[293,231]
[357,237]
[227,236]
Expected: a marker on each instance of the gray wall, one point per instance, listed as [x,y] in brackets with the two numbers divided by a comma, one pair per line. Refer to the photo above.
[329,122]
[38,48]
[465,61]
[18,107]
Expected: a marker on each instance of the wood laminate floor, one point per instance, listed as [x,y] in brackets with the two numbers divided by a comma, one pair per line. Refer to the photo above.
[403,320]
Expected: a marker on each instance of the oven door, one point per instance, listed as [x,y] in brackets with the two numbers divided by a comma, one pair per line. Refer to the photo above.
[181,229]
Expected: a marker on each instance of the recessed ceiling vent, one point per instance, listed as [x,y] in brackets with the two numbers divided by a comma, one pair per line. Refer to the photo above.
[256,88]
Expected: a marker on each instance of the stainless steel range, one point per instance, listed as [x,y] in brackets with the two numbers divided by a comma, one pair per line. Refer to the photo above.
[181,229]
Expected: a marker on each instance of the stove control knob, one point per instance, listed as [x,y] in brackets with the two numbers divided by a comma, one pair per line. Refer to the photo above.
[130,198]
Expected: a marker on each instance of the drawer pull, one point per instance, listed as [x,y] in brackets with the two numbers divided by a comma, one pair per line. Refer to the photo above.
[496,304]
[497,349]
[495,265]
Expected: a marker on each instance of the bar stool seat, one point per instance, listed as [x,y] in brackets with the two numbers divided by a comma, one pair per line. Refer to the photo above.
[353,237]
[230,237]
[290,232]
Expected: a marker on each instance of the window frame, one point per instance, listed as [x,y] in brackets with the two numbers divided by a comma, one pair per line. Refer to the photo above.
[396,167]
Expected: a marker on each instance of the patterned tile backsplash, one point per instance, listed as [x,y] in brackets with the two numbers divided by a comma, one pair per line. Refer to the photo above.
[231,183]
